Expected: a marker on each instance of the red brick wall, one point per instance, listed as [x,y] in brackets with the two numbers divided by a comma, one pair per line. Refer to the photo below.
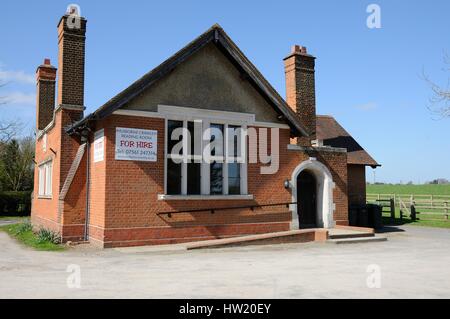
[67,217]
[44,211]
[97,192]
[124,194]
[356,184]
[337,164]
[124,212]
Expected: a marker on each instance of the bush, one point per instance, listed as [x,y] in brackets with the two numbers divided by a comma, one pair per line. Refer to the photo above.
[46,235]
[15,203]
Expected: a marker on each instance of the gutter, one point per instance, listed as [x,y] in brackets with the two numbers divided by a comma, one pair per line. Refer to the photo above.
[85,136]
[81,124]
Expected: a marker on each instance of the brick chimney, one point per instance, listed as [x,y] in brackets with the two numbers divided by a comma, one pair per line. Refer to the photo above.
[45,78]
[70,100]
[71,45]
[300,89]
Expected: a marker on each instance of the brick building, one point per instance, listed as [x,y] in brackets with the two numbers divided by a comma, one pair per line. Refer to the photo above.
[112,177]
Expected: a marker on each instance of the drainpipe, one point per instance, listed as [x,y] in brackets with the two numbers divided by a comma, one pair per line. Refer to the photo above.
[85,139]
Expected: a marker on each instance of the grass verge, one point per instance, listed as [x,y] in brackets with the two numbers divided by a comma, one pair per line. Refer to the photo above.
[37,240]
[14,218]
[418,222]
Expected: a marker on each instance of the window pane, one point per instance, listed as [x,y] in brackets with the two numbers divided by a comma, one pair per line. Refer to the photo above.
[171,126]
[217,136]
[234,178]
[216,181]
[41,180]
[173,178]
[233,140]
[196,139]
[48,179]
[193,181]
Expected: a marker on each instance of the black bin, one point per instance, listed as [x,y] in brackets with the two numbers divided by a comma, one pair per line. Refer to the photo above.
[375,216]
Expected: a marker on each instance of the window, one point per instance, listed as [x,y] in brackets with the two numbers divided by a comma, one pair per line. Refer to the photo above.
[45,179]
[234,157]
[216,167]
[174,158]
[188,173]
[194,158]
[173,177]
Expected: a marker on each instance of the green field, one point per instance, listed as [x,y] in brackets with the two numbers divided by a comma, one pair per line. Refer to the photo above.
[426,189]
[422,219]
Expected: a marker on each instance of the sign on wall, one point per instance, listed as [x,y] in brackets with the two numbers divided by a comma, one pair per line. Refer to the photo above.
[99,145]
[136,144]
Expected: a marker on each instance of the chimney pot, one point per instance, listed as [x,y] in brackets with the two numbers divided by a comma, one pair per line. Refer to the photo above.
[298,49]
[47,61]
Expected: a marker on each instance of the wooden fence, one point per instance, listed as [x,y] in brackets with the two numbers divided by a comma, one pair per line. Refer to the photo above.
[429,207]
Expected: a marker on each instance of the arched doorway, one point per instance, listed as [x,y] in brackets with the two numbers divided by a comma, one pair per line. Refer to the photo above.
[306,200]
[314,172]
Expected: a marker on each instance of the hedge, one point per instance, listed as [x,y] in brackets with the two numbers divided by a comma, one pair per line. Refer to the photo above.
[15,203]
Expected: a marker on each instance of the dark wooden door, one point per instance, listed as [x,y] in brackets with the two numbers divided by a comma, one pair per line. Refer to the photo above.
[306,198]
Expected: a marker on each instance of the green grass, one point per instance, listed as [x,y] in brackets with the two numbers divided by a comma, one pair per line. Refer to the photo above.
[15,218]
[418,222]
[24,234]
[426,189]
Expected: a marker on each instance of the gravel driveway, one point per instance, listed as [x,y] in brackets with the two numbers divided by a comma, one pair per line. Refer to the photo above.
[413,263]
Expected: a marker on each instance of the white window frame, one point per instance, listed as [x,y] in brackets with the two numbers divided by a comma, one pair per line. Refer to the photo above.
[207,117]
[45,176]
[41,180]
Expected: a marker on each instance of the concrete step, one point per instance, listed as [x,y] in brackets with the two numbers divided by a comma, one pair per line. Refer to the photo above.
[357,240]
[351,235]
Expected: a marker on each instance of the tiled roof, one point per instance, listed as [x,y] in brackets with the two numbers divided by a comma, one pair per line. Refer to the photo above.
[333,134]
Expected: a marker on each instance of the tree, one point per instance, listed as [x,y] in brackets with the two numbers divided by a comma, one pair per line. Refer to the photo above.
[16,165]
[439,181]
[440,100]
[9,130]
[16,156]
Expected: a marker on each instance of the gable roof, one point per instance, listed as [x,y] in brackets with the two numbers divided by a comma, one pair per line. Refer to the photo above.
[333,134]
[217,36]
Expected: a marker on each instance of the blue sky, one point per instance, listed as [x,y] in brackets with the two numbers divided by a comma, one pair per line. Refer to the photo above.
[369,79]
